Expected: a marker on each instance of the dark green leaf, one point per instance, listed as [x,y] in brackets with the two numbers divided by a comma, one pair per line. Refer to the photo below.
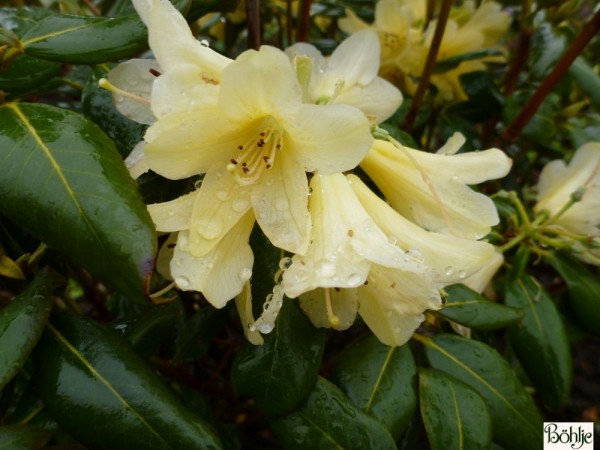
[515,419]
[329,420]
[101,392]
[19,20]
[23,437]
[467,307]
[98,106]
[194,336]
[380,380]
[280,373]
[154,328]
[401,136]
[63,181]
[455,416]
[85,40]
[584,291]
[588,80]
[546,48]
[199,8]
[26,73]
[22,323]
[540,341]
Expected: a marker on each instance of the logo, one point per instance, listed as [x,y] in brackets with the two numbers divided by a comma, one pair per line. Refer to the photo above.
[568,436]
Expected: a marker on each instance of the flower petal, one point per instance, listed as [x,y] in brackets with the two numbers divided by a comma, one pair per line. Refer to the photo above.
[220,204]
[344,304]
[243,304]
[134,77]
[378,100]
[189,143]
[136,161]
[451,259]
[480,279]
[221,273]
[280,201]
[329,139]
[259,83]
[174,215]
[453,207]
[356,59]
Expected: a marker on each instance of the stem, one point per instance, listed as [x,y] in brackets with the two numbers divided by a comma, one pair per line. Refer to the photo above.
[254,25]
[528,111]
[429,64]
[303,21]
[522,51]
[288,22]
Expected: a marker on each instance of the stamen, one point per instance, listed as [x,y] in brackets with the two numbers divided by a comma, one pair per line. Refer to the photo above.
[155,72]
[334,320]
[105,84]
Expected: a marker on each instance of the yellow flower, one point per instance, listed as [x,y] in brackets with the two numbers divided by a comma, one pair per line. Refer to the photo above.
[349,76]
[559,181]
[365,250]
[432,189]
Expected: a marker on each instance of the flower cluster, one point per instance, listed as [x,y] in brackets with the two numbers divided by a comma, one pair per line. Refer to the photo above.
[406,37]
[274,134]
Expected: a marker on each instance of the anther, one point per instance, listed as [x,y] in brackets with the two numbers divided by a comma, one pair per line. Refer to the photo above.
[155,72]
[234,162]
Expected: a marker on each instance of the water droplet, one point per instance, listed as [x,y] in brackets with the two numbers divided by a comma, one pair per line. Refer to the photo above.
[222,195]
[449,271]
[239,204]
[416,254]
[285,263]
[392,240]
[182,282]
[245,274]
[171,212]
[204,43]
[209,229]
[265,327]
[462,274]
[326,268]
[198,184]
[355,280]
[310,191]
[119,99]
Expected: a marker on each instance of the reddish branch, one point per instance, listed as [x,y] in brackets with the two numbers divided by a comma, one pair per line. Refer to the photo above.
[253,23]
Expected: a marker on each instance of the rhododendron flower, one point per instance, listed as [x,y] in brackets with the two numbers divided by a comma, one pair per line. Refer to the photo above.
[361,244]
[557,184]
[349,76]
[432,189]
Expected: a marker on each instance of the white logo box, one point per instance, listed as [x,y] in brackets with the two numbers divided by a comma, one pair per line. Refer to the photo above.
[568,436]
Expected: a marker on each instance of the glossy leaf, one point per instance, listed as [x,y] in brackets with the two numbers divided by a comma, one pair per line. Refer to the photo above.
[329,420]
[540,341]
[455,416]
[280,373]
[63,182]
[196,332]
[91,380]
[515,419]
[547,47]
[584,291]
[26,73]
[467,307]
[588,80]
[379,380]
[153,328]
[22,323]
[98,106]
[23,437]
[19,20]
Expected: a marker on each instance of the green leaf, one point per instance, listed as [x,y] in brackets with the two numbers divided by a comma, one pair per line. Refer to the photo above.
[280,373]
[540,341]
[546,48]
[588,80]
[98,106]
[584,291]
[22,323]
[19,20]
[455,416]
[515,419]
[100,391]
[467,307]
[25,74]
[329,420]
[63,181]
[380,380]
[23,437]
[194,336]
[154,327]
[85,40]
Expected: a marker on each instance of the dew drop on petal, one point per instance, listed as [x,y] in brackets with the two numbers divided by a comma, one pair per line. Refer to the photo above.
[239,204]
[209,229]
[182,282]
[222,195]
[449,271]
[265,327]
[462,274]
[326,268]
[282,204]
[245,274]
[392,240]
[355,280]
[171,212]
[204,43]
[285,263]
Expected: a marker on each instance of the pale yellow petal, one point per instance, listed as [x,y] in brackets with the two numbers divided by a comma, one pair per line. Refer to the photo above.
[280,202]
[165,255]
[136,161]
[259,83]
[378,100]
[344,305]
[221,273]
[328,139]
[220,204]
[352,23]
[243,304]
[174,215]
[480,279]
[134,77]
[355,60]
